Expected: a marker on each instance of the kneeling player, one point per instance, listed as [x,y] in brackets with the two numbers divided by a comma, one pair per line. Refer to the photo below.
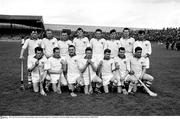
[73,72]
[55,66]
[88,67]
[36,66]
[106,70]
[138,67]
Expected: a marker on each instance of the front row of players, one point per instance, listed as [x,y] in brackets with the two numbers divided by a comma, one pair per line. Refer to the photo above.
[119,72]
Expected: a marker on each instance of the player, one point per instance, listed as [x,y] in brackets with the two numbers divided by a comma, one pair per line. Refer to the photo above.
[138,68]
[30,44]
[49,43]
[55,66]
[98,45]
[36,66]
[88,67]
[106,69]
[64,44]
[113,44]
[81,43]
[73,73]
[122,65]
[145,45]
[127,42]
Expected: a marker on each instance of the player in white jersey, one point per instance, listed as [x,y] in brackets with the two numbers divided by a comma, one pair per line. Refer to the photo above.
[127,42]
[122,65]
[98,45]
[88,67]
[80,42]
[49,43]
[73,72]
[55,66]
[36,66]
[138,67]
[107,70]
[64,44]
[113,44]
[30,44]
[145,45]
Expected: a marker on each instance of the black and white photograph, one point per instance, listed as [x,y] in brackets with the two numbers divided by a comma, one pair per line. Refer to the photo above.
[89,58]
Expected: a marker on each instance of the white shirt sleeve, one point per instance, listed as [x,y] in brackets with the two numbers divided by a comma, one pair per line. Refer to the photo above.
[26,44]
[149,48]
[47,65]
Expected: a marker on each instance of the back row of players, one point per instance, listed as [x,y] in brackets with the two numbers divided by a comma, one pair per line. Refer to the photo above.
[81,62]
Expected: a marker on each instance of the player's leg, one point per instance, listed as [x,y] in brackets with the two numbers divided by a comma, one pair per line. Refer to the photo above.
[71,84]
[106,82]
[147,79]
[35,83]
[98,84]
[132,88]
[86,85]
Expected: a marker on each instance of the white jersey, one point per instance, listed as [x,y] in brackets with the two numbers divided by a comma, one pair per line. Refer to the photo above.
[107,67]
[98,46]
[124,65]
[145,45]
[39,68]
[81,45]
[127,44]
[63,46]
[114,46]
[49,45]
[86,73]
[137,64]
[72,65]
[54,64]
[31,45]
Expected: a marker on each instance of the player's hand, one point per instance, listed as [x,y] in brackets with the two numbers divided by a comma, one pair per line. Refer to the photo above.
[131,72]
[116,66]
[21,57]
[147,54]
[101,63]
[62,62]
[141,77]
[37,63]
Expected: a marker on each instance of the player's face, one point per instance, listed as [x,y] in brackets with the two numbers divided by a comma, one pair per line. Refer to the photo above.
[80,33]
[141,36]
[107,55]
[126,33]
[49,34]
[71,51]
[138,53]
[98,34]
[34,35]
[121,53]
[64,36]
[39,54]
[57,53]
[89,54]
[113,35]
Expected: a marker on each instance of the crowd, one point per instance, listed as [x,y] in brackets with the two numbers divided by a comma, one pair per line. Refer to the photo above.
[113,60]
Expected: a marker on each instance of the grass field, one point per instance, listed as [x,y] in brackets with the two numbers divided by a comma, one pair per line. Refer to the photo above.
[165,66]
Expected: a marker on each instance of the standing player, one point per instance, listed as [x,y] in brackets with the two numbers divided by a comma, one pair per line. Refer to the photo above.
[113,44]
[81,43]
[145,45]
[98,45]
[106,69]
[55,66]
[49,43]
[73,72]
[127,42]
[31,44]
[138,67]
[36,66]
[64,44]
[88,67]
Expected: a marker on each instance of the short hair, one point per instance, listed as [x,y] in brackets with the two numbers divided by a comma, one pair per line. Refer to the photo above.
[56,48]
[98,30]
[112,31]
[121,48]
[38,49]
[88,49]
[80,29]
[49,30]
[126,29]
[71,46]
[64,31]
[107,51]
[34,31]
[137,49]
[141,32]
